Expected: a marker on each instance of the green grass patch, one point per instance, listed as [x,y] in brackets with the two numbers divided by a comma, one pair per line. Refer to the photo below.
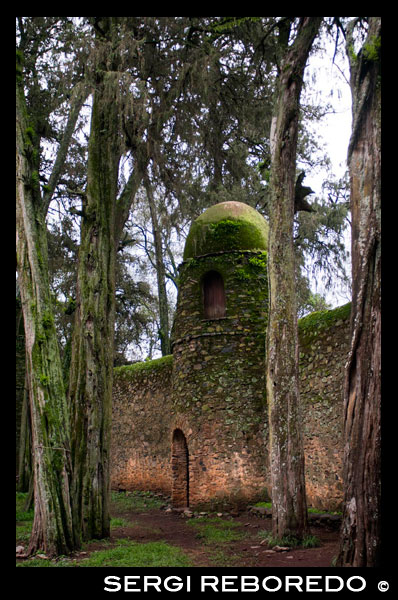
[309,541]
[126,553]
[21,513]
[120,522]
[264,504]
[319,511]
[309,510]
[24,518]
[132,554]
[214,530]
[134,501]
[41,562]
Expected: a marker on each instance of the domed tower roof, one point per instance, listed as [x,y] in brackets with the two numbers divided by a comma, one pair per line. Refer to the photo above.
[227,226]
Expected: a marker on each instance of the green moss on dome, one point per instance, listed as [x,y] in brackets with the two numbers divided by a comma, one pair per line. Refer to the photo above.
[227,226]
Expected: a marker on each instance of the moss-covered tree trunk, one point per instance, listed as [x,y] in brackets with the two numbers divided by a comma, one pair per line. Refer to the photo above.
[289,509]
[91,369]
[360,534]
[52,526]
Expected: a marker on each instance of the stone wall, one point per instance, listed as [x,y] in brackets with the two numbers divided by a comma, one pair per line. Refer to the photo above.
[226,439]
[140,436]
[324,344]
[218,377]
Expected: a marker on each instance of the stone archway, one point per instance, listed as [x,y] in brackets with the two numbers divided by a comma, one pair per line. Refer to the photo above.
[180,470]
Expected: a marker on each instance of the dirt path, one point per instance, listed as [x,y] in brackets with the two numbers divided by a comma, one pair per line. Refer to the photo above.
[173,528]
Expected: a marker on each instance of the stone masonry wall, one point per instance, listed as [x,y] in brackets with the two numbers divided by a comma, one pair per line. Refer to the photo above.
[324,344]
[229,443]
[218,378]
[140,439]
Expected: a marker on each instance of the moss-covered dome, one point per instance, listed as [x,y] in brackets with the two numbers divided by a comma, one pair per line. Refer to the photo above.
[227,226]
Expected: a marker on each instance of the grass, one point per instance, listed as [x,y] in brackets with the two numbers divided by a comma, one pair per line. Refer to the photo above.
[120,522]
[214,530]
[309,510]
[264,504]
[135,501]
[216,534]
[24,519]
[126,553]
[309,541]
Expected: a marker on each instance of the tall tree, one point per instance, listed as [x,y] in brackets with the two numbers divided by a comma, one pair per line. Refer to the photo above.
[289,507]
[164,329]
[103,215]
[361,526]
[90,385]
[52,527]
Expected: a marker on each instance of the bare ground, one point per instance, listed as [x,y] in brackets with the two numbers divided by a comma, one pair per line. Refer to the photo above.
[172,527]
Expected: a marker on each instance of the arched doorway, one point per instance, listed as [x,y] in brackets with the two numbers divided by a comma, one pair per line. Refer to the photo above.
[180,470]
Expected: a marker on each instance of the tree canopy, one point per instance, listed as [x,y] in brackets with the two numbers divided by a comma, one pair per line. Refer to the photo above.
[194,115]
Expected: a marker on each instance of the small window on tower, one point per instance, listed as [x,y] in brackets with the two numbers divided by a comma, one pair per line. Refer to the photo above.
[213,295]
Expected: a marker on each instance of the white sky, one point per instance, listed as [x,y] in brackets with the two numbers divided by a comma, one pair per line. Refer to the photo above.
[331,86]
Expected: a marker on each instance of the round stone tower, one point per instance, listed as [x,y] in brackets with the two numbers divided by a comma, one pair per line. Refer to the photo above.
[219,415]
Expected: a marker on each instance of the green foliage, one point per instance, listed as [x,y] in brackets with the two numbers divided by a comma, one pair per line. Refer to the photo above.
[371,49]
[310,541]
[44,380]
[47,321]
[30,134]
[232,22]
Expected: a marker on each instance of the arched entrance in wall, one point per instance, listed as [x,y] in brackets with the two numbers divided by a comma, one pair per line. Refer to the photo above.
[180,470]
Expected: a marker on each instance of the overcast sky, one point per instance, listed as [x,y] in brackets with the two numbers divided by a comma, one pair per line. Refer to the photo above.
[331,86]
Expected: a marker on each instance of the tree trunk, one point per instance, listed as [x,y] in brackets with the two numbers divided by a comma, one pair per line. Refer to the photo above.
[289,508]
[164,330]
[360,533]
[25,473]
[91,369]
[52,526]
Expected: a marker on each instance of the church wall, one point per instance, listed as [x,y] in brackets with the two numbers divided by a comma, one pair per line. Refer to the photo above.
[227,443]
[218,377]
[324,339]
[141,416]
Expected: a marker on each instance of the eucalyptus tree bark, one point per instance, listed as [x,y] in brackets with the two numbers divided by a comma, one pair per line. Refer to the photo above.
[91,369]
[289,508]
[164,330]
[360,533]
[90,387]
[25,473]
[52,526]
